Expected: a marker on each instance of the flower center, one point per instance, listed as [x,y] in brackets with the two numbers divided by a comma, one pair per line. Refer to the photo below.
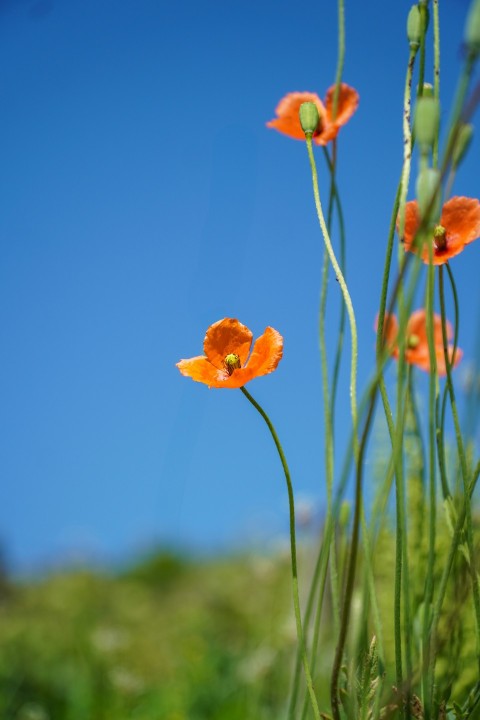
[413,341]
[440,237]
[231,362]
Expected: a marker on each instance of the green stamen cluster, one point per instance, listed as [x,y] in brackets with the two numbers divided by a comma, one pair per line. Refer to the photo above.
[232,362]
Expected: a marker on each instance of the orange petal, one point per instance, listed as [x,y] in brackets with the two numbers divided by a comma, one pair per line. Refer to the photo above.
[412,222]
[390,332]
[346,106]
[266,354]
[461,218]
[201,370]
[288,121]
[441,368]
[417,325]
[224,337]
[422,359]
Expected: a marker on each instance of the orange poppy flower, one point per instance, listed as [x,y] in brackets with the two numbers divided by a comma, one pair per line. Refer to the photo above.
[459,225]
[288,122]
[416,341]
[227,345]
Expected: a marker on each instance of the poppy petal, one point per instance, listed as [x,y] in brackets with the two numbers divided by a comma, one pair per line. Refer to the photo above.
[288,120]
[266,354]
[390,332]
[422,359]
[412,222]
[224,337]
[201,370]
[347,104]
[461,219]
[417,325]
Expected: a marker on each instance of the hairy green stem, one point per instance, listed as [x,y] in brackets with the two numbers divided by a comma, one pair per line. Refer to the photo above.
[343,287]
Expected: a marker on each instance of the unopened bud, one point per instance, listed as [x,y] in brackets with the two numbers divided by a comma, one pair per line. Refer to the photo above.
[309,117]
[427,90]
[427,120]
[462,143]
[428,194]
[472,28]
[414,27]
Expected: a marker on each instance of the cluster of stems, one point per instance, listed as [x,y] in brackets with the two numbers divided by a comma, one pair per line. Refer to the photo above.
[363,684]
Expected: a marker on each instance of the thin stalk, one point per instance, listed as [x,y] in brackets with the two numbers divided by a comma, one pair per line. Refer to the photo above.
[442,588]
[463,464]
[440,422]
[343,313]
[318,580]
[433,383]
[344,289]
[397,436]
[341,55]
[327,406]
[352,560]
[293,550]
[407,142]
[436,71]
[353,403]
[421,69]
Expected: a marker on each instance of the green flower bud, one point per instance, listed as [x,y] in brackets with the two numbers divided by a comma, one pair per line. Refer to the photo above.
[462,143]
[428,194]
[309,117]
[414,27]
[427,120]
[472,28]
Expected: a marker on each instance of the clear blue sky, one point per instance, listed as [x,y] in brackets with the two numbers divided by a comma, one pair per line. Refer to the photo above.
[143,198]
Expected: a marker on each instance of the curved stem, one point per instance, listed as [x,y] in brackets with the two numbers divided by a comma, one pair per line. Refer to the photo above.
[343,314]
[344,289]
[463,465]
[293,549]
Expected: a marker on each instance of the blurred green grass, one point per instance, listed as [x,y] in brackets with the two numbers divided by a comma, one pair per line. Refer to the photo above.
[170,638]
[173,638]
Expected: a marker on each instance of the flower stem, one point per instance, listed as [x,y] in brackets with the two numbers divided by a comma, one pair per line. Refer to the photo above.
[436,70]
[293,549]
[463,465]
[345,293]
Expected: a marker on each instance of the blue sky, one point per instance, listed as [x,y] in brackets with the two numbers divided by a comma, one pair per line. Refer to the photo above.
[143,199]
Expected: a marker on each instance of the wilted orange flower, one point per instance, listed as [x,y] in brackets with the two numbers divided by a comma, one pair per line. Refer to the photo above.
[416,342]
[226,346]
[459,225]
[288,123]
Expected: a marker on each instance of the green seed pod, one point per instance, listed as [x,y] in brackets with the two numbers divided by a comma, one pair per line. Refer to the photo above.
[309,117]
[462,143]
[428,195]
[472,28]
[414,27]
[426,122]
